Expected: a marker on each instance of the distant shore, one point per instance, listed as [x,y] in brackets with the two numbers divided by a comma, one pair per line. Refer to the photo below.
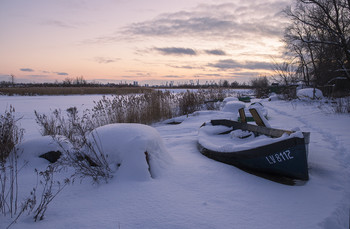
[31,91]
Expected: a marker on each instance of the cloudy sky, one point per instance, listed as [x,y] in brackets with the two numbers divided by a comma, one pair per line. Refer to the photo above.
[150,41]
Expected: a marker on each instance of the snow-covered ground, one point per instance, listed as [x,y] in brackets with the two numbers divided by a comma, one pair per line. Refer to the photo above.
[194,191]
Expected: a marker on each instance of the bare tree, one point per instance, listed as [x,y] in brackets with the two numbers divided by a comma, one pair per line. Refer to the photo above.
[79,80]
[286,73]
[319,37]
[12,79]
[67,81]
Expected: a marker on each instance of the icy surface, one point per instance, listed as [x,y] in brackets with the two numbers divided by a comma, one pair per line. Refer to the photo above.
[194,191]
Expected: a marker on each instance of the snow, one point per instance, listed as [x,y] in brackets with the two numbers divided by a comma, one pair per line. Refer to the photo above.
[209,137]
[30,150]
[233,106]
[189,189]
[308,93]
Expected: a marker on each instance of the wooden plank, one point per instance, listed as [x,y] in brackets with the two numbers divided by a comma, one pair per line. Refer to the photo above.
[255,129]
[258,120]
[242,115]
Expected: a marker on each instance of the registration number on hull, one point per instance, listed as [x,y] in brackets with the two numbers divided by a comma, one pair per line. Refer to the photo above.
[279,157]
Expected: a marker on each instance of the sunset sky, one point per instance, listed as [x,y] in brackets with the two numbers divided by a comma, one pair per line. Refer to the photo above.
[149,41]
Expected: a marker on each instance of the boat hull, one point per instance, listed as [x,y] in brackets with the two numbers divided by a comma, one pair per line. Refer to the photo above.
[287,158]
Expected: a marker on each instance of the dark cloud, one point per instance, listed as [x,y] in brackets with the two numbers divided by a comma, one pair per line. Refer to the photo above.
[58,23]
[258,65]
[38,76]
[217,20]
[172,76]
[105,60]
[229,21]
[226,64]
[170,26]
[26,70]
[244,74]
[185,66]
[211,75]
[176,51]
[217,52]
[62,73]
[232,64]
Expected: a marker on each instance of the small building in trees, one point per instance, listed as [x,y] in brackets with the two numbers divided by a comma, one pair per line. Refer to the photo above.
[337,86]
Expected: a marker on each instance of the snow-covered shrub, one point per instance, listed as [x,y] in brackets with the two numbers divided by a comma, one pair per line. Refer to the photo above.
[309,93]
[342,105]
[273,97]
[233,106]
[13,157]
[229,99]
[132,151]
[33,149]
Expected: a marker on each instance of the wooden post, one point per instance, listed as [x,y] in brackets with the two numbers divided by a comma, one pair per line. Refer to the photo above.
[242,115]
[258,120]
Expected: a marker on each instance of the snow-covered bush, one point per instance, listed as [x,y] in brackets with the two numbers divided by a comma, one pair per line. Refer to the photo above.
[132,151]
[33,149]
[13,157]
[309,93]
[342,105]
[233,106]
[273,97]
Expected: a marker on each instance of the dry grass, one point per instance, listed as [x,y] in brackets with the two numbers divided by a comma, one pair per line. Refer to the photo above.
[73,90]
[10,135]
[146,108]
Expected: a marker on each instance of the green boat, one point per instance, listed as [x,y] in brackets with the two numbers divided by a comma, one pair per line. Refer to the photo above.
[245,99]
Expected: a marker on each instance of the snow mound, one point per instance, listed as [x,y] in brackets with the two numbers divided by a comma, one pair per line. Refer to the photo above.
[31,149]
[273,97]
[308,93]
[260,107]
[229,99]
[135,151]
[233,106]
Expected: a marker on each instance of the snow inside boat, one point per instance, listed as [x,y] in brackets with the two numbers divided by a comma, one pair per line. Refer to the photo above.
[258,148]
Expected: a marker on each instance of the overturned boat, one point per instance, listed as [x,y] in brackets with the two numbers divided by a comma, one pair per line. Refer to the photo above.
[256,147]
